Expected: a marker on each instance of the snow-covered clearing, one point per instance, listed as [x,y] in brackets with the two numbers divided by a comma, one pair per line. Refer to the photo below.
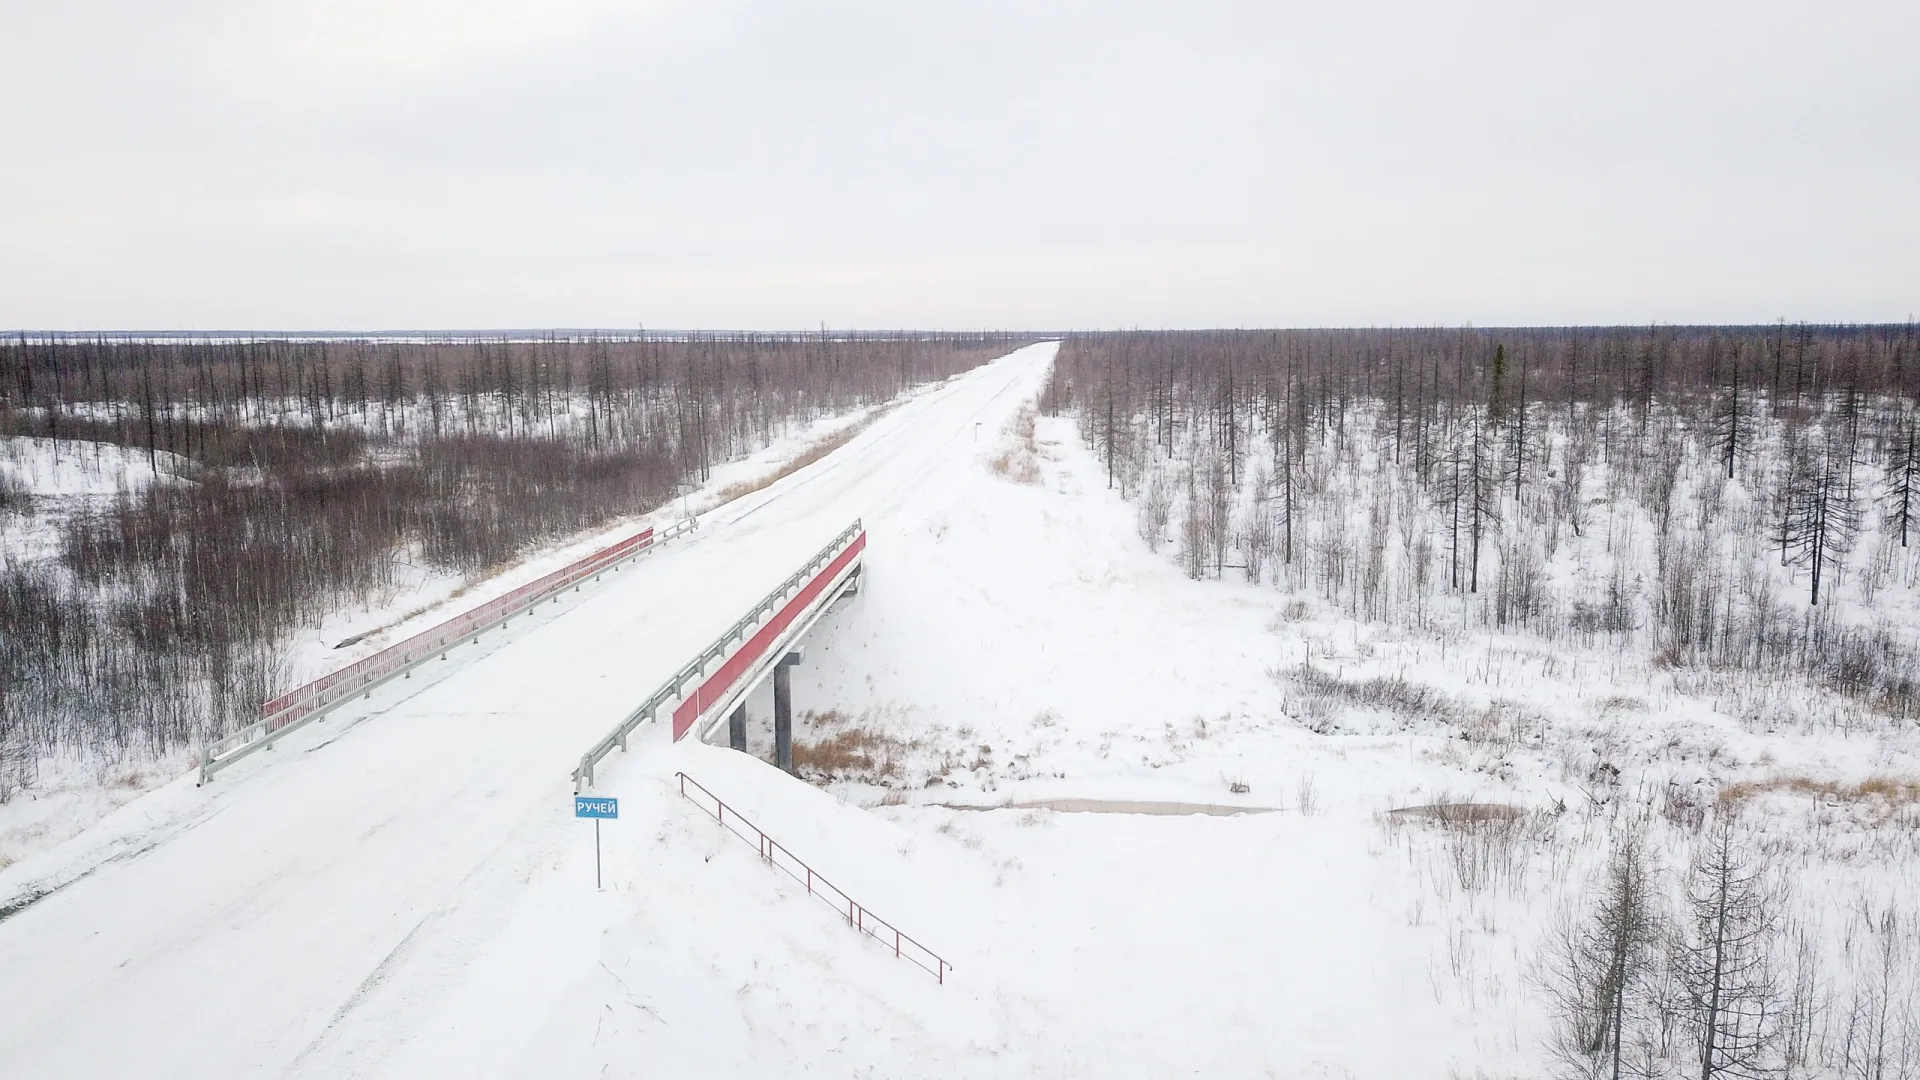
[52,480]
[400,891]
[64,469]
[56,478]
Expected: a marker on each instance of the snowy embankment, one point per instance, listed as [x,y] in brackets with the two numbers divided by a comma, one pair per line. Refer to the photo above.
[317,909]
[69,793]
[1010,641]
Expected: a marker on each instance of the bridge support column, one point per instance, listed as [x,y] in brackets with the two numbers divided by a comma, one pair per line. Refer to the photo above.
[783,711]
[737,726]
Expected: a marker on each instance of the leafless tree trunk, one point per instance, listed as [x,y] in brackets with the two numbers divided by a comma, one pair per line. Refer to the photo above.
[1903,476]
[1595,976]
[1723,958]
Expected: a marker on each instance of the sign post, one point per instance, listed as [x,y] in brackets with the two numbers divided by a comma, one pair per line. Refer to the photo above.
[589,806]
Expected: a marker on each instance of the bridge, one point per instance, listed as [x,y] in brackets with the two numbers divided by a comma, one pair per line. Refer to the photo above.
[347,864]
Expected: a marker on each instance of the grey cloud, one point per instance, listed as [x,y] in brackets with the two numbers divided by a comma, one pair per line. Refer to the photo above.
[761,165]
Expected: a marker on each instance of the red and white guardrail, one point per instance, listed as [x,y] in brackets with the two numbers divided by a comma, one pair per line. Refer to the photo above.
[700,691]
[756,648]
[304,704]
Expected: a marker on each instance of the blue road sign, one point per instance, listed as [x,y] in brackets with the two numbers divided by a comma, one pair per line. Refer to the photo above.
[588,806]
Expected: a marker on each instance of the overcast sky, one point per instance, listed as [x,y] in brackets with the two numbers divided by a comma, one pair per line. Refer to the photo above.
[357,164]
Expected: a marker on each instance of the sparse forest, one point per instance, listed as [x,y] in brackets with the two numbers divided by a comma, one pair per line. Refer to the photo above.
[1724,497]
[1721,519]
[295,478]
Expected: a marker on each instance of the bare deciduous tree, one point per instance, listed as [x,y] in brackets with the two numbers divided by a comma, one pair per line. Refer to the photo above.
[1723,960]
[1595,972]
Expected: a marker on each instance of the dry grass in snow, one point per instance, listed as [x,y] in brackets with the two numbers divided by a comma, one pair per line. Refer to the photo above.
[814,452]
[1019,456]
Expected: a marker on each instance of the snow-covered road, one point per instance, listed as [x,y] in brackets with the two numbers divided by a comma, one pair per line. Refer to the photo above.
[243,927]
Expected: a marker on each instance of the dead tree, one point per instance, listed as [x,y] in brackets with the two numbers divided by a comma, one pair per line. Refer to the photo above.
[1286,466]
[1730,425]
[1519,449]
[1903,477]
[1451,488]
[1821,520]
[1723,963]
[1483,495]
[1596,974]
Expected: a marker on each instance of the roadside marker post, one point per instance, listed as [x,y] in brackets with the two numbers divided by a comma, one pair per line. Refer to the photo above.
[591,806]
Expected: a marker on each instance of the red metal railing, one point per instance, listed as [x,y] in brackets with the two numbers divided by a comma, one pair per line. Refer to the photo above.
[296,707]
[715,688]
[771,850]
[348,680]
[844,549]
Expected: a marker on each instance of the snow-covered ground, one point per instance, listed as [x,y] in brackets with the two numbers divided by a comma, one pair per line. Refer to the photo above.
[71,792]
[426,598]
[63,477]
[268,922]
[61,468]
[1036,649]
[401,892]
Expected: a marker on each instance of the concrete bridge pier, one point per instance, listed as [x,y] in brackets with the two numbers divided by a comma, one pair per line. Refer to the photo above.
[737,727]
[783,710]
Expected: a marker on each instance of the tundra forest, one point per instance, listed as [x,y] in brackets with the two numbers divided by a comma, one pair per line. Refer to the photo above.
[1682,524]
[1643,591]
[294,478]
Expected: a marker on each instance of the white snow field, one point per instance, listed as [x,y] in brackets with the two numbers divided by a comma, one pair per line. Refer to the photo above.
[312,909]
[71,792]
[400,891]
[64,478]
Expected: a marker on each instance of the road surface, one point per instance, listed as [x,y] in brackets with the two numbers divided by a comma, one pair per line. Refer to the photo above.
[378,847]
